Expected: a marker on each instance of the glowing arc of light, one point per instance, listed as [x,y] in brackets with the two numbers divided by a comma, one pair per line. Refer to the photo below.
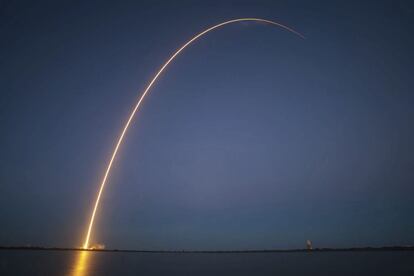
[131,116]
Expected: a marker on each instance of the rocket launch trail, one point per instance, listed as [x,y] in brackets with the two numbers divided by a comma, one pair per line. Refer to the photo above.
[140,100]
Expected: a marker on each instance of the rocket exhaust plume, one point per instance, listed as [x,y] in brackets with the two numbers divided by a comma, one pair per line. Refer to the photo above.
[147,89]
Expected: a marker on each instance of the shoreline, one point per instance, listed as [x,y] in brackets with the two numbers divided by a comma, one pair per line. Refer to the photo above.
[352,249]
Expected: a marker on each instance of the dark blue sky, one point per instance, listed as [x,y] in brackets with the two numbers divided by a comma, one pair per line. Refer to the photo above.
[253,138]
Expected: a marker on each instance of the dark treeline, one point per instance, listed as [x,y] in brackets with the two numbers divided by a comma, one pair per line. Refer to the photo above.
[385,248]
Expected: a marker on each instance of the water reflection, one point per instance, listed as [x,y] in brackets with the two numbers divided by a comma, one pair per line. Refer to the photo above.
[82,264]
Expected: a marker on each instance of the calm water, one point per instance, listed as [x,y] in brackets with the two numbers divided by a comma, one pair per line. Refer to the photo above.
[103,263]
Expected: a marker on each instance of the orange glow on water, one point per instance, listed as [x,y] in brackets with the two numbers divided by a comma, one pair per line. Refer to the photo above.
[147,89]
[81,266]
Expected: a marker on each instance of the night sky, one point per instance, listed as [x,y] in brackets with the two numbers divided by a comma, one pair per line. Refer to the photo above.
[253,138]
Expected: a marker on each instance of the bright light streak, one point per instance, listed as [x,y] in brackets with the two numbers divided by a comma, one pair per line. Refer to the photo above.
[131,116]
